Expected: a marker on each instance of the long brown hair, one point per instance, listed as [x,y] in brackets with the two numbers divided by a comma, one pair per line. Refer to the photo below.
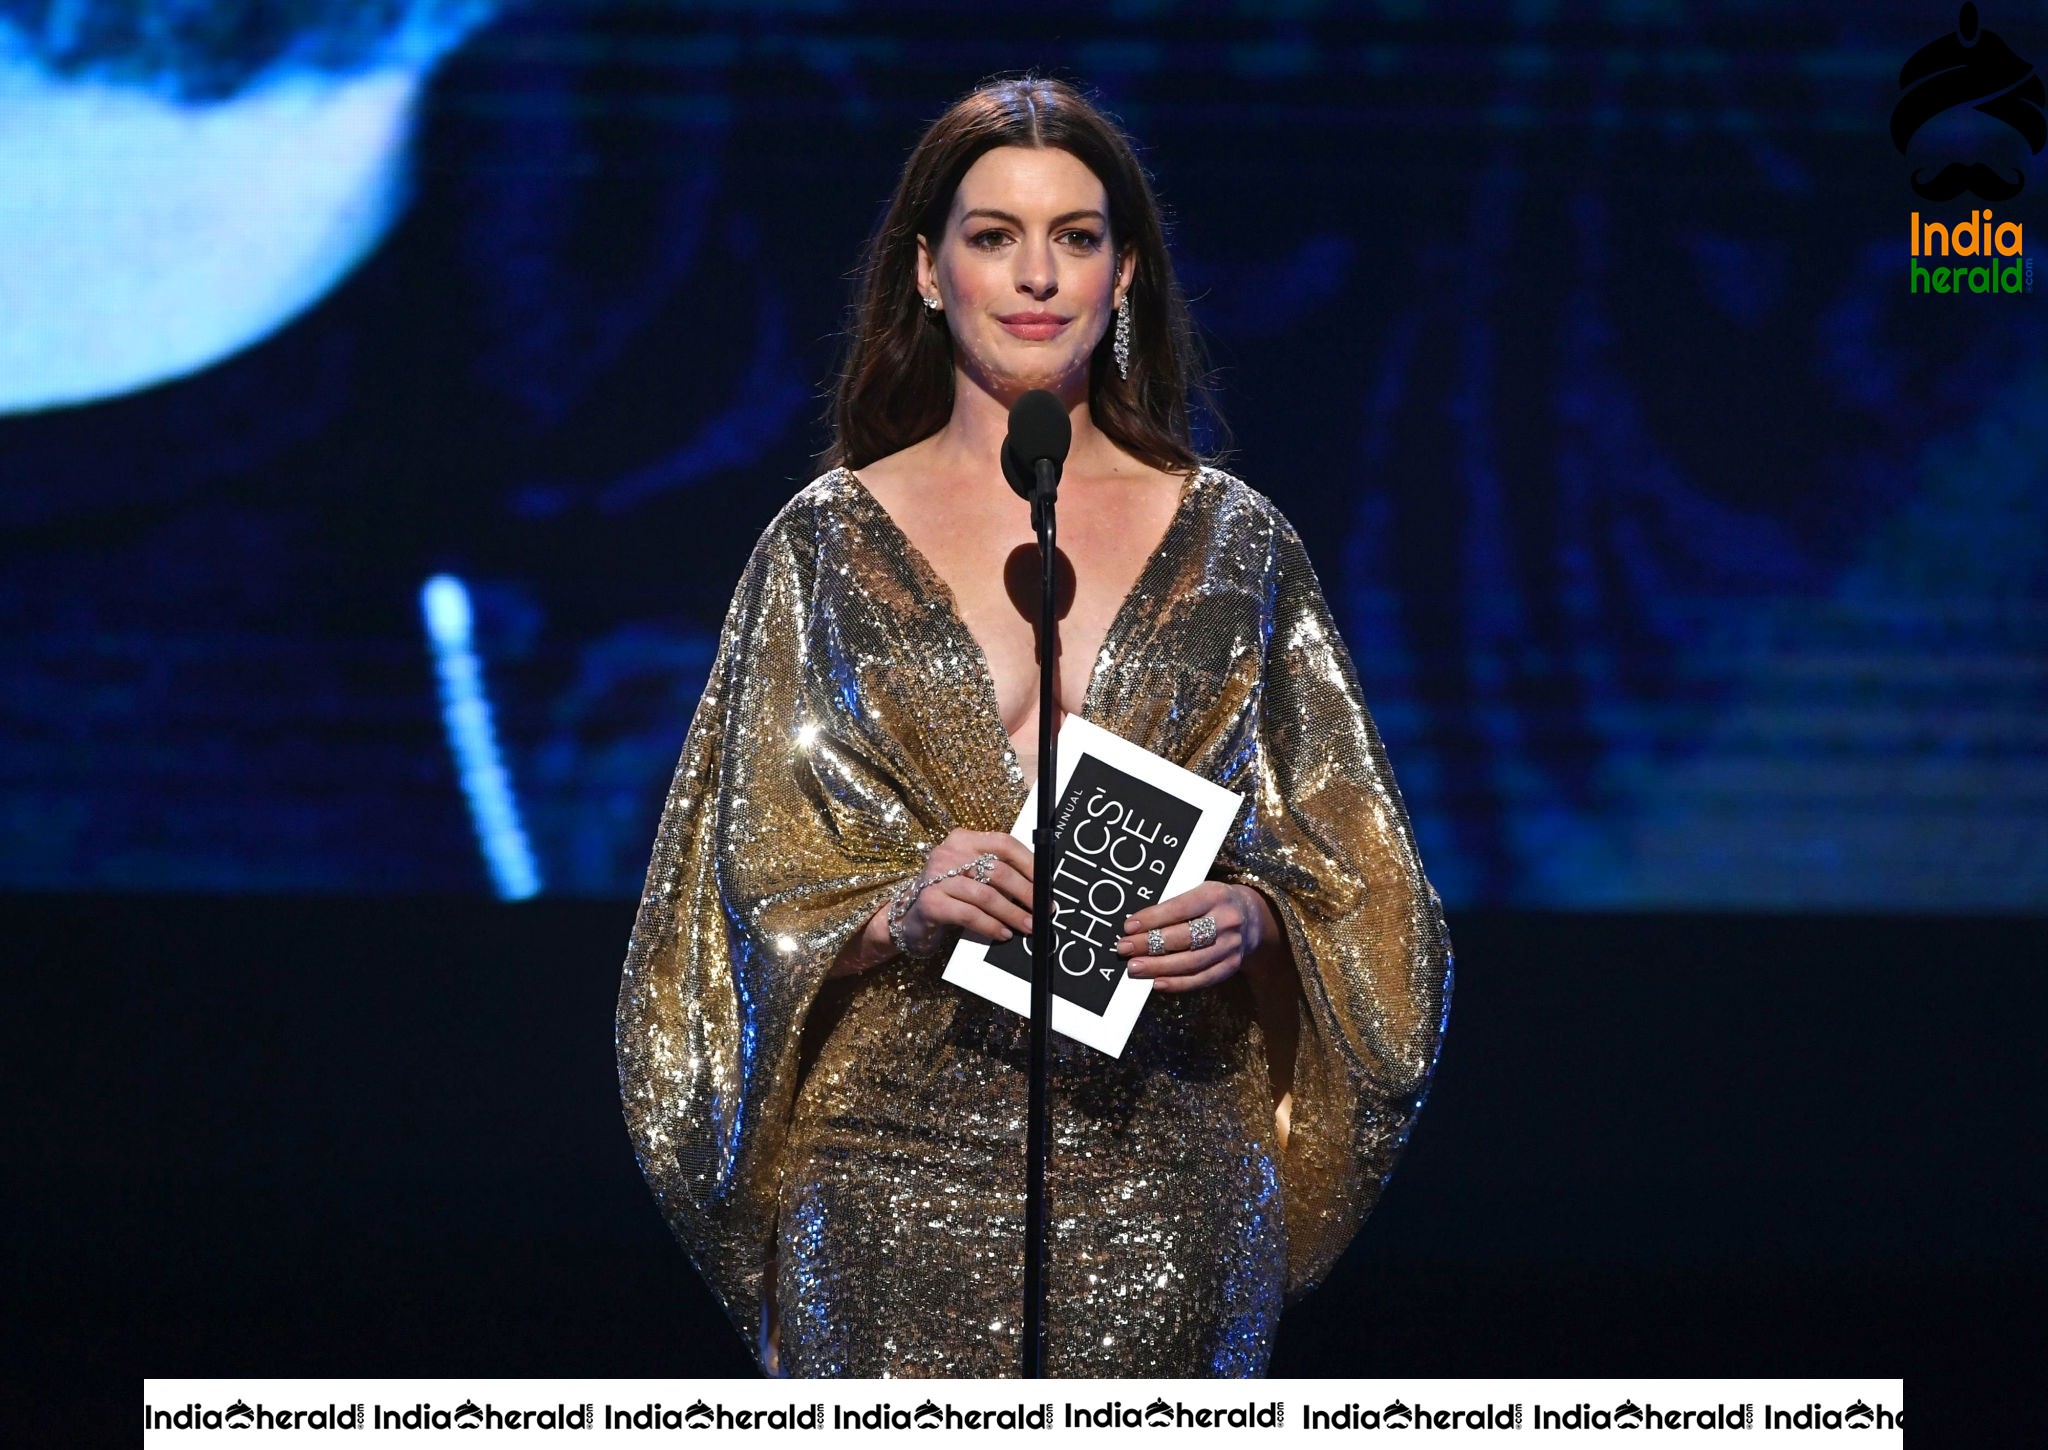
[896,384]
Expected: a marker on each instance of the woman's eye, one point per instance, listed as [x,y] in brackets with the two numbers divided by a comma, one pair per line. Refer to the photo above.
[1080,240]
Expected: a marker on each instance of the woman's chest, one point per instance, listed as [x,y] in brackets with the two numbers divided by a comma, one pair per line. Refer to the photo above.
[996,592]
[995,580]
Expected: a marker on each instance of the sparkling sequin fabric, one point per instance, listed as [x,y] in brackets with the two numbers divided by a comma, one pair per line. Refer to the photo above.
[856,1151]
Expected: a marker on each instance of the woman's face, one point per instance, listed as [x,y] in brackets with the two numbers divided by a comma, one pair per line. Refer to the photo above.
[1024,271]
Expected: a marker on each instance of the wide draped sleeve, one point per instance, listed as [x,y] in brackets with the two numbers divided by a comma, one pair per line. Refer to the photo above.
[1327,840]
[775,845]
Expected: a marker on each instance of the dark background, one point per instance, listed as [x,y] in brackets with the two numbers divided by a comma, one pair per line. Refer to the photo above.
[316,1137]
[1694,571]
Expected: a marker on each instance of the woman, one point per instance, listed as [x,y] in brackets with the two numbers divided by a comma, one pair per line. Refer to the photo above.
[836,1135]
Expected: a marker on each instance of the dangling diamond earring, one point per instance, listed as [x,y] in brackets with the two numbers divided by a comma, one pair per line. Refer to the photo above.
[931,304]
[1122,346]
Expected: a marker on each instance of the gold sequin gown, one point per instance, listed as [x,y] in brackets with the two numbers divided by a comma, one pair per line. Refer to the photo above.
[867,1140]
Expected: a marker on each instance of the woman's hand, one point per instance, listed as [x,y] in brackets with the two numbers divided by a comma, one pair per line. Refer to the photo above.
[1243,929]
[997,909]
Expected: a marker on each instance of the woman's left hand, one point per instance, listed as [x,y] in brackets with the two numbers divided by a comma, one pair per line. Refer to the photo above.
[1241,920]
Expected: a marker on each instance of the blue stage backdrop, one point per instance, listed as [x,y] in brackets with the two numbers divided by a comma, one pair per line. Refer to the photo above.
[390,391]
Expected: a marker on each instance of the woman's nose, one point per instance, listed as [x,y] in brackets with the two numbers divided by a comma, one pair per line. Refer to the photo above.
[1036,273]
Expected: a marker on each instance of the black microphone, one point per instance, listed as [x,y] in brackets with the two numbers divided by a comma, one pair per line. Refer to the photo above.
[1036,450]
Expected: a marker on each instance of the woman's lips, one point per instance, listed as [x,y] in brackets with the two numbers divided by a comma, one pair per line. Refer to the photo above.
[1036,326]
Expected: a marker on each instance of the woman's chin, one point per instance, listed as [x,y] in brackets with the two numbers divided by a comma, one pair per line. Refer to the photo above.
[1017,373]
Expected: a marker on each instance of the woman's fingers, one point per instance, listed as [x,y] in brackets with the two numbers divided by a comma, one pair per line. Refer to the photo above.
[1016,855]
[1228,921]
[966,845]
[1210,898]
[1220,972]
[1011,870]
[971,906]
[1013,884]
[976,922]
[1188,967]
[1000,904]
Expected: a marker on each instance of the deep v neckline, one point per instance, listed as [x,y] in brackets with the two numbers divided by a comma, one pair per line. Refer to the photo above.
[935,583]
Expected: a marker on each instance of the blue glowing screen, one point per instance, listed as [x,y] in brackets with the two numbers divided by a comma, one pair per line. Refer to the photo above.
[390,394]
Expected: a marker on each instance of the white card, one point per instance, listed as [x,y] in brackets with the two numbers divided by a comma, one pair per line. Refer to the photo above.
[1132,830]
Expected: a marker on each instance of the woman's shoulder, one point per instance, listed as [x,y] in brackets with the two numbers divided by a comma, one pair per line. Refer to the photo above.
[807,511]
[1239,509]
[826,494]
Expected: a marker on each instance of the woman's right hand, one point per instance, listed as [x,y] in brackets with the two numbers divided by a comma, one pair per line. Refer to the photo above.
[960,903]
[996,910]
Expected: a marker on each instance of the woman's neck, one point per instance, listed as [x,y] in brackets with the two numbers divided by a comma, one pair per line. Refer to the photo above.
[970,444]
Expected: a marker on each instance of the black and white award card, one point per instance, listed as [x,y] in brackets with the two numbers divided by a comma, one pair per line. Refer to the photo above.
[1131,829]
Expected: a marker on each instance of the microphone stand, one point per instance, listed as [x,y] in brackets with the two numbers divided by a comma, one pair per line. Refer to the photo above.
[1044,952]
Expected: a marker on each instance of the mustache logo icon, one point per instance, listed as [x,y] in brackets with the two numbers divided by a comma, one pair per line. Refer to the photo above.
[1974,177]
